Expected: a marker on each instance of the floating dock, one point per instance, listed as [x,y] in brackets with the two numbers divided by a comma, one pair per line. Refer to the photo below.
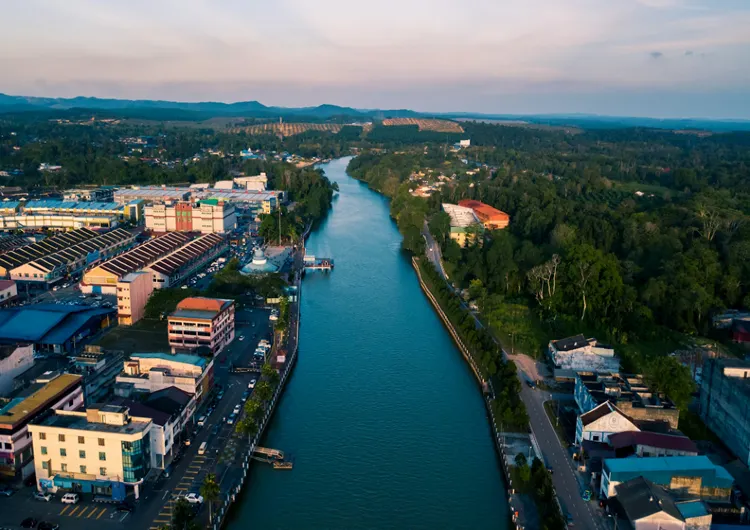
[273,457]
[313,263]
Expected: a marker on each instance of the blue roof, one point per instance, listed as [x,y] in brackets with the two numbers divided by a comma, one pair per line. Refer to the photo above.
[692,509]
[186,358]
[10,204]
[74,205]
[660,470]
[45,323]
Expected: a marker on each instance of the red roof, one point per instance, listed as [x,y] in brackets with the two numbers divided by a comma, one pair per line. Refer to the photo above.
[200,303]
[6,284]
[652,439]
[484,211]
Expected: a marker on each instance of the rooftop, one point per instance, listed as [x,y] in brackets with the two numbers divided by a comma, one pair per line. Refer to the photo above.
[642,498]
[652,439]
[691,509]
[485,210]
[460,215]
[204,304]
[622,387]
[80,422]
[49,245]
[72,205]
[186,254]
[668,466]
[184,358]
[35,398]
[53,323]
[145,254]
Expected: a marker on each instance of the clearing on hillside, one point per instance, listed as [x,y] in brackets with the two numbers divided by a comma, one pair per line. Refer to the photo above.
[288,129]
[426,124]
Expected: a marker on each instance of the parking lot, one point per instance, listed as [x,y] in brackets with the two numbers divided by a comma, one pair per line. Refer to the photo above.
[21,505]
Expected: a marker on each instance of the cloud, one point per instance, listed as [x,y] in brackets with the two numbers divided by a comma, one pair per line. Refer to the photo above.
[688,53]
[656,55]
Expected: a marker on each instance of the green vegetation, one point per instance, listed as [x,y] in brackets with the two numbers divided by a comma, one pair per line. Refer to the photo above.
[230,283]
[164,301]
[210,491]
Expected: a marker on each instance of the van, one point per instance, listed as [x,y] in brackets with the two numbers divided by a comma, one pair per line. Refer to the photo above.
[202,448]
[201,421]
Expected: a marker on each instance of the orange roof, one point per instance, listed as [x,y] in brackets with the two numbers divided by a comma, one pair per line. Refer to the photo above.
[203,304]
[484,211]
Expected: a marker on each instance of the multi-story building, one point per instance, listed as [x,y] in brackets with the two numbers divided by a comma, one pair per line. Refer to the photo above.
[99,369]
[201,322]
[27,221]
[151,372]
[491,218]
[725,403]
[15,359]
[49,392]
[249,201]
[103,278]
[102,194]
[465,225]
[151,194]
[207,217]
[8,291]
[579,354]
[686,477]
[44,271]
[174,268]
[133,292]
[629,393]
[103,450]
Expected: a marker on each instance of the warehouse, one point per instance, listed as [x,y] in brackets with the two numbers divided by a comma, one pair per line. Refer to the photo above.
[72,208]
[17,257]
[151,194]
[174,268]
[57,328]
[45,270]
[104,277]
[57,221]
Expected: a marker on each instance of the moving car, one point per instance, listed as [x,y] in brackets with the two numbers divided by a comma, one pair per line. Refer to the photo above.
[251,384]
[46,525]
[231,418]
[194,498]
[42,496]
[70,498]
[242,337]
[6,492]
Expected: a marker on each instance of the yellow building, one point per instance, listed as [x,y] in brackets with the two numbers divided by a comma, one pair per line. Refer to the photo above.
[133,292]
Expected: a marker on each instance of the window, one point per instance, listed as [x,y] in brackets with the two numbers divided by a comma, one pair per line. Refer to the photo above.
[44,450]
[103,471]
[101,442]
[42,436]
[102,456]
[70,403]
[81,440]
[45,465]
[8,445]
[63,467]
[63,452]
[60,437]
[81,454]
[83,469]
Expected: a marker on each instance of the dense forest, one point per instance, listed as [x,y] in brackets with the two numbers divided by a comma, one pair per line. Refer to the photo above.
[632,234]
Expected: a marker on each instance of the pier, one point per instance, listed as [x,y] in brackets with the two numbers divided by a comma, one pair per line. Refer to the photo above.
[313,263]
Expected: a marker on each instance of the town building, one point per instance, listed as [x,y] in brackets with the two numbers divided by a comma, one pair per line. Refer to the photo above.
[647,506]
[491,218]
[741,330]
[207,217]
[151,194]
[103,450]
[76,208]
[103,278]
[201,322]
[579,354]
[44,271]
[629,394]
[465,225]
[48,392]
[45,247]
[174,268]
[686,477]
[27,221]
[252,183]
[56,328]
[15,359]
[101,194]
[133,292]
[647,444]
[601,422]
[151,372]
[10,242]
[8,292]
[249,201]
[99,369]
[725,403]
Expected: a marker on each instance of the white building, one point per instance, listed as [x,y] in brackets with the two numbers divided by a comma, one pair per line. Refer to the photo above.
[207,217]
[8,291]
[579,354]
[599,424]
[15,359]
[151,372]
[252,183]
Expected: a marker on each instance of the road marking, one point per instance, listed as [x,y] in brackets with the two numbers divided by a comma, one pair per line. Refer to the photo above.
[83,510]
[74,510]
[101,513]
[165,495]
[62,512]
[161,520]
[93,512]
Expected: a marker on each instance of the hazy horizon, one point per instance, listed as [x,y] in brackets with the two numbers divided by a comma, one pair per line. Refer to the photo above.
[649,58]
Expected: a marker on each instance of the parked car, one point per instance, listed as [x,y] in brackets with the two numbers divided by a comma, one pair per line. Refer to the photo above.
[194,498]
[237,409]
[6,492]
[231,418]
[70,498]
[125,507]
[29,522]
[46,525]
[251,384]
[42,496]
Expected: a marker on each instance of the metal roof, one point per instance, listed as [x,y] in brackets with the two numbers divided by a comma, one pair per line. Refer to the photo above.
[145,254]
[187,254]
[45,247]
[40,397]
[52,323]
[661,469]
[184,358]
[71,205]
[70,254]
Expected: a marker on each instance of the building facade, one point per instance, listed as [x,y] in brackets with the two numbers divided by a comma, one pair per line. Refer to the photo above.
[602,422]
[15,359]
[207,217]
[465,225]
[8,292]
[176,267]
[151,372]
[49,392]
[133,292]
[102,450]
[201,322]
[725,403]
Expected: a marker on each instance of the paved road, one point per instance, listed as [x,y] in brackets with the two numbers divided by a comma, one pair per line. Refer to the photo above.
[586,515]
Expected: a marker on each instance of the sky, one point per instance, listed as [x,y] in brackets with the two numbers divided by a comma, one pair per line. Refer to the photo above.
[658,58]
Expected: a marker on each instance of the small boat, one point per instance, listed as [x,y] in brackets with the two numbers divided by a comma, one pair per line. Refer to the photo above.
[282,465]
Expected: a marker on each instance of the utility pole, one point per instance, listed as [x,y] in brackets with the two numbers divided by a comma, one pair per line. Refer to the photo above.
[279,207]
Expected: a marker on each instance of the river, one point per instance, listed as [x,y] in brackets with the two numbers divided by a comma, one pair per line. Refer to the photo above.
[383,421]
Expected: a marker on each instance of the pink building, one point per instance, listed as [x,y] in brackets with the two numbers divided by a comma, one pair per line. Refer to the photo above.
[201,322]
[133,292]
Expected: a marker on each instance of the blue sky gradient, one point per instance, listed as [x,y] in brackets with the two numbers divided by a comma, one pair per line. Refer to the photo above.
[660,58]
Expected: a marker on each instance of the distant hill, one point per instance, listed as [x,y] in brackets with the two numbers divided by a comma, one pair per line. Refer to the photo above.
[177,110]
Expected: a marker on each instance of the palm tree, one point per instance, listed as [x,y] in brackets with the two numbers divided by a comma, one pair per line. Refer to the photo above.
[247,426]
[253,409]
[263,391]
[270,373]
[210,491]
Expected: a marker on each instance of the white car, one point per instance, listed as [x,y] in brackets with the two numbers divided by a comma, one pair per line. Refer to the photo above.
[70,498]
[194,498]
[251,384]
[42,496]
[242,337]
[237,409]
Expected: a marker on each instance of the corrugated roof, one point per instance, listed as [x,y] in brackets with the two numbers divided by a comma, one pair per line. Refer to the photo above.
[203,303]
[484,210]
[642,498]
[189,253]
[652,439]
[691,509]
[45,247]
[664,467]
[50,322]
[145,254]
[39,399]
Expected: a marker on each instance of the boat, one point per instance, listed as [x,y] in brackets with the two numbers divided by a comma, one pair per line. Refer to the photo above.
[282,465]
